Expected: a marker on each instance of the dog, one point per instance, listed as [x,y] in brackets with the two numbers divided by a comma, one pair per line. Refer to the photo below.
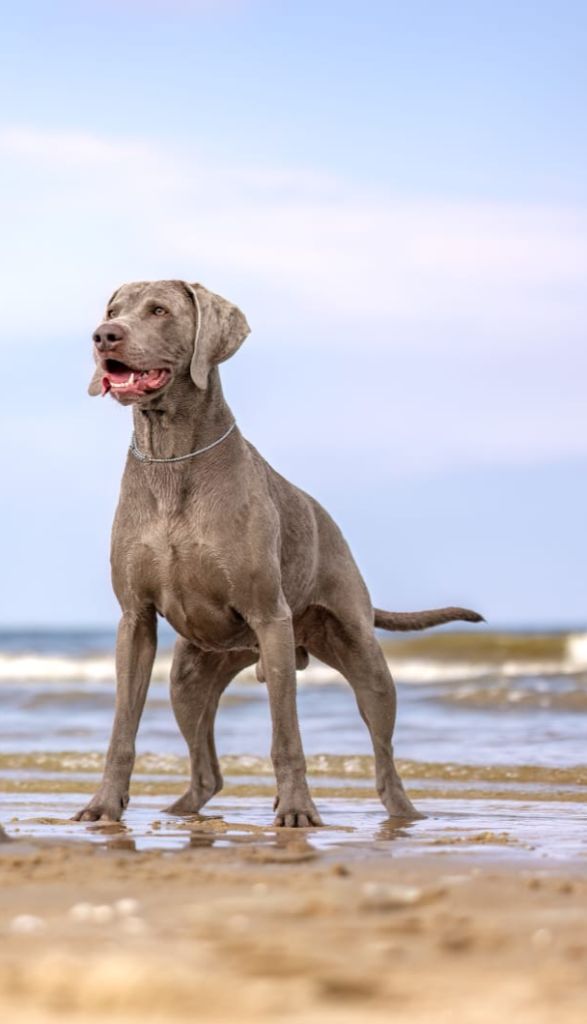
[244,566]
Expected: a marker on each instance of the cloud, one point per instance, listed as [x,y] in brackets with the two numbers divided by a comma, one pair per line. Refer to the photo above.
[108,206]
[66,150]
[456,327]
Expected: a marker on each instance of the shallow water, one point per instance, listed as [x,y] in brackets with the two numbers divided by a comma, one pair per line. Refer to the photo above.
[491,748]
[551,832]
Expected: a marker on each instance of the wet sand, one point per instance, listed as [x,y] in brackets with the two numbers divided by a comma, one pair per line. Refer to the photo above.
[243,922]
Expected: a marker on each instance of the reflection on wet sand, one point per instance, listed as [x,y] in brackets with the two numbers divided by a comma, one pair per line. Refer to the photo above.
[494,827]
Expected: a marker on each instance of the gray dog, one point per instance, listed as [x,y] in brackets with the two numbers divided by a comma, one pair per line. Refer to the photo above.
[243,565]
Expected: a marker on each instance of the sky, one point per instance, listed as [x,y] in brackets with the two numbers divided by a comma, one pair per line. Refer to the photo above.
[395,195]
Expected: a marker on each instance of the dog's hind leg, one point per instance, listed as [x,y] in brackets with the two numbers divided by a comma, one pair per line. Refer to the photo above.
[198,679]
[355,653]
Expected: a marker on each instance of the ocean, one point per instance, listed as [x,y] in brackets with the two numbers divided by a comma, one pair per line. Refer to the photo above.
[490,741]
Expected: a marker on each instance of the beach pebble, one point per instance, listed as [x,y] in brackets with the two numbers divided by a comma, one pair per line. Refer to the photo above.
[457,940]
[133,925]
[542,938]
[102,914]
[26,924]
[260,889]
[383,896]
[81,912]
[341,870]
[127,907]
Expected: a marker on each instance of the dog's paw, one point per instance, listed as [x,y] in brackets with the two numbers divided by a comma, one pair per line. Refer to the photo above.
[194,798]
[397,804]
[102,809]
[189,803]
[300,813]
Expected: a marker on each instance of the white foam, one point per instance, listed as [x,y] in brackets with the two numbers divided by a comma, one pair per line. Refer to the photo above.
[427,671]
[576,653]
[415,671]
[63,669]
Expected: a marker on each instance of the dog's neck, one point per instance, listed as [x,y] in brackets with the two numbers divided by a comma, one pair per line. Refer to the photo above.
[183,419]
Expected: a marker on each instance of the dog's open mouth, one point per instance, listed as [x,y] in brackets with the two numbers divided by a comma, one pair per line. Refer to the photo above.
[123,380]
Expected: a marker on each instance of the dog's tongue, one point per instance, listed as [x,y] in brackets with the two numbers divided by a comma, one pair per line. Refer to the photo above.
[137,383]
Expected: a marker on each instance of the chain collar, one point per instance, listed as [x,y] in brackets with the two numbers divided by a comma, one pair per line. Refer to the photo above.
[138,454]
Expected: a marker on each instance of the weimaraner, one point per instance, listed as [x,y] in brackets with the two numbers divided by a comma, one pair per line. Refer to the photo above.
[244,566]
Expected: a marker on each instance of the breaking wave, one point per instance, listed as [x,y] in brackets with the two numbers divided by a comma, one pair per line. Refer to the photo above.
[350,766]
[439,658]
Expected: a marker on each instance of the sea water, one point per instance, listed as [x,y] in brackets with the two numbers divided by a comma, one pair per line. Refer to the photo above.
[490,740]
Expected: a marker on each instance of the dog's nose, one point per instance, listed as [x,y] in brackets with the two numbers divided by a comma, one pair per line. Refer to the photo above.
[108,335]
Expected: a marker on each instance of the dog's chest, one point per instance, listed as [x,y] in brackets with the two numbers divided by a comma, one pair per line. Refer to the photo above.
[183,575]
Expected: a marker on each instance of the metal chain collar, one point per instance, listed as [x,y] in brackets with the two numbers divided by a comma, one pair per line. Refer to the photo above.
[142,457]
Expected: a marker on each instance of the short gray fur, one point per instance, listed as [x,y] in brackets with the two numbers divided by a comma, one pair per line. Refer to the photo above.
[245,567]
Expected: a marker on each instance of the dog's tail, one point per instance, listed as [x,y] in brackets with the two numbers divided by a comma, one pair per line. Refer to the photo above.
[406,621]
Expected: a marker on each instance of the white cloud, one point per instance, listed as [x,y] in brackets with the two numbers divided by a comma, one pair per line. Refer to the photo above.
[107,207]
[476,309]
[66,150]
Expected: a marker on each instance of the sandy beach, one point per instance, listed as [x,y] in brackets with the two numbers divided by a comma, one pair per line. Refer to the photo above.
[268,927]
[476,912]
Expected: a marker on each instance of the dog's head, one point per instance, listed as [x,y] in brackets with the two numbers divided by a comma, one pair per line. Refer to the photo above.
[156,331]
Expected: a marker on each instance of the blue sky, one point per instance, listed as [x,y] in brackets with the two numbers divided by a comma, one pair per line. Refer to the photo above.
[396,196]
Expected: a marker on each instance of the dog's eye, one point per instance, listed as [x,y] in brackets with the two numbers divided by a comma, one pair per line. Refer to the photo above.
[159,311]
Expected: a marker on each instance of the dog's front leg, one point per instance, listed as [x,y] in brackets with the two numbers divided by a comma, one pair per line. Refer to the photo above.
[136,644]
[293,806]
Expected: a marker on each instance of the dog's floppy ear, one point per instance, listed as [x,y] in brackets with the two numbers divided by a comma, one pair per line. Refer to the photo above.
[221,329]
[95,385]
